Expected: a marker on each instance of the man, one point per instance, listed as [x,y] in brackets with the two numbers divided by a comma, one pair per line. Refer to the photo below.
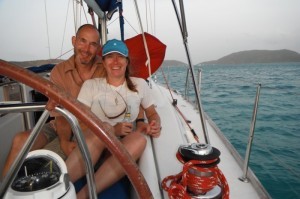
[69,75]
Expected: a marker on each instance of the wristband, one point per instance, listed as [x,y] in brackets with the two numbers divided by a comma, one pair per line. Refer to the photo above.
[139,120]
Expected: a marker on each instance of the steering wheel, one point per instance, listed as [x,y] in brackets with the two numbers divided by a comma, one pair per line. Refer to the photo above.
[57,97]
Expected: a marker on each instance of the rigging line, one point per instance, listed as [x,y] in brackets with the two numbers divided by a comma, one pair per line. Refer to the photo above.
[64,53]
[150,16]
[270,88]
[148,61]
[77,4]
[282,163]
[74,13]
[131,26]
[47,29]
[146,8]
[84,11]
[154,18]
[112,22]
[178,110]
[187,123]
[167,83]
[149,23]
[62,43]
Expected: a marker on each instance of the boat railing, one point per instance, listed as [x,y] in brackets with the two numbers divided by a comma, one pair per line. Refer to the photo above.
[12,92]
[187,95]
[244,178]
[25,107]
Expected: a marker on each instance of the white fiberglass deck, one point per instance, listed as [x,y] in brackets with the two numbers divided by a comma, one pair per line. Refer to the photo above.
[174,133]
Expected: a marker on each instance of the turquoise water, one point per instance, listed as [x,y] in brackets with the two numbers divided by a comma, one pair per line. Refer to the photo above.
[228,93]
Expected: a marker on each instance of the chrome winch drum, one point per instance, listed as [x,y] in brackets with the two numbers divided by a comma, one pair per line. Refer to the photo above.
[201,152]
[42,175]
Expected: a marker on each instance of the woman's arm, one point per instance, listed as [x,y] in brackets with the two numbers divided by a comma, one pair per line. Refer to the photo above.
[154,122]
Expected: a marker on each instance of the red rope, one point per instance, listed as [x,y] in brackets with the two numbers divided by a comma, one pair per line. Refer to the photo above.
[186,181]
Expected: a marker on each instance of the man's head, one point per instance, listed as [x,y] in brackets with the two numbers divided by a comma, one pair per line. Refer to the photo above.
[86,44]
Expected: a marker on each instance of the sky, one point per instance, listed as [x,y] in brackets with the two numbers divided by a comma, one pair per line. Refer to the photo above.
[36,29]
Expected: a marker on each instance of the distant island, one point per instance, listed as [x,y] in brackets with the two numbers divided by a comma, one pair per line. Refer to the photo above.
[173,63]
[258,56]
[36,62]
[242,57]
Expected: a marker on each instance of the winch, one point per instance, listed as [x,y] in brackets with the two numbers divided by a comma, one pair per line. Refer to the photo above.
[200,177]
[42,175]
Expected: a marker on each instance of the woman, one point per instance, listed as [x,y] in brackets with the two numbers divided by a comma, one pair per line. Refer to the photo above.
[116,99]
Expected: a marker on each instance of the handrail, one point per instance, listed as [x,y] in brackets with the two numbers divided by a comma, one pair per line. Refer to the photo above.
[251,136]
[21,107]
[83,149]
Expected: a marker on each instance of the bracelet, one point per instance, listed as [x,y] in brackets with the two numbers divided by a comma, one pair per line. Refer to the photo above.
[139,120]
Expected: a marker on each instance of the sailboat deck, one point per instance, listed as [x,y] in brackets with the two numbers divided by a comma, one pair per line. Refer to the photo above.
[173,135]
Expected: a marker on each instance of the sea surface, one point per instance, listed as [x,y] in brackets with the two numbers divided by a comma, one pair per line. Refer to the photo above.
[228,94]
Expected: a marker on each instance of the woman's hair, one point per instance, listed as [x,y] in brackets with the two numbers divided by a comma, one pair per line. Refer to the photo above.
[130,84]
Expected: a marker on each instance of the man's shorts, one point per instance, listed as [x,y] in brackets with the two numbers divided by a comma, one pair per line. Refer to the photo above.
[53,140]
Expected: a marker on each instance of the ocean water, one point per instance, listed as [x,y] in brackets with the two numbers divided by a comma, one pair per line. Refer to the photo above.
[228,94]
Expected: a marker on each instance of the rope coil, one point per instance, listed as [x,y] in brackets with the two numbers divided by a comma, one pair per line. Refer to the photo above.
[197,178]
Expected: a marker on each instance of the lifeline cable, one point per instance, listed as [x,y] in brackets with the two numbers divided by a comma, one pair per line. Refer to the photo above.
[178,110]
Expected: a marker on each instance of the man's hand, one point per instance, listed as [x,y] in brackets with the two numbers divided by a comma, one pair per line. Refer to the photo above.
[67,146]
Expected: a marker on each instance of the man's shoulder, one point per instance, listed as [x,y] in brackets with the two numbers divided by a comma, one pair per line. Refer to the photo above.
[99,68]
[64,66]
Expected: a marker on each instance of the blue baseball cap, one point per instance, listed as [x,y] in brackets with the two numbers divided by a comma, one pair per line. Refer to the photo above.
[115,46]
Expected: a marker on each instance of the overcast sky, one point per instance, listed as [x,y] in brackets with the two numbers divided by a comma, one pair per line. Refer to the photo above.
[216,28]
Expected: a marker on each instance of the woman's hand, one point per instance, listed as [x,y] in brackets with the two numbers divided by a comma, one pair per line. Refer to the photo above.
[123,128]
[153,129]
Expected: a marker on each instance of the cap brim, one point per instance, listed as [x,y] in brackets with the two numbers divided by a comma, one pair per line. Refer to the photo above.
[115,52]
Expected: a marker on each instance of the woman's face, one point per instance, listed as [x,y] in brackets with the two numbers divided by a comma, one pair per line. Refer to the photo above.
[115,65]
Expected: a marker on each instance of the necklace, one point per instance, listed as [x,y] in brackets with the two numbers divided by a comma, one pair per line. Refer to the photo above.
[116,93]
[118,115]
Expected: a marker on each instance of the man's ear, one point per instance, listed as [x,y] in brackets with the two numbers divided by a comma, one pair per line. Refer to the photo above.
[73,41]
